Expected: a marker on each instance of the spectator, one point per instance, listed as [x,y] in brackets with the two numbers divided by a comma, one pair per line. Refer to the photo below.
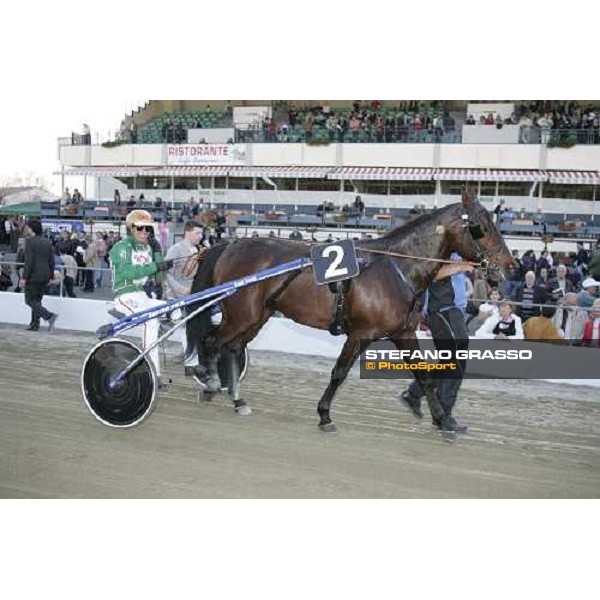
[90,258]
[594,264]
[296,235]
[545,123]
[5,278]
[542,328]
[69,273]
[117,198]
[528,296]
[591,332]
[495,298]
[485,312]
[582,259]
[220,224]
[525,124]
[79,253]
[569,320]
[87,135]
[131,202]
[207,240]
[20,260]
[101,256]
[481,292]
[528,261]
[359,206]
[542,262]
[506,326]
[560,285]
[543,280]
[498,212]
[589,293]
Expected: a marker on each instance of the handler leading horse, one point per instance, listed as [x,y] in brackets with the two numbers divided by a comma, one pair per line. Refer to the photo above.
[382,302]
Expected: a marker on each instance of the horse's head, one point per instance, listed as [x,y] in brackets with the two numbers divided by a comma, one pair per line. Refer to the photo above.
[479,240]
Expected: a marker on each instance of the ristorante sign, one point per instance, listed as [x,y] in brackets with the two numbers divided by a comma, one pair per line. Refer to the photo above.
[206,154]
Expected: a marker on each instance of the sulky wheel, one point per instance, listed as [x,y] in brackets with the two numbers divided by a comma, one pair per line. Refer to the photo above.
[125,403]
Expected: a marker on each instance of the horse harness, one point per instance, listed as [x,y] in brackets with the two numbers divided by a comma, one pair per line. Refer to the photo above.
[475,233]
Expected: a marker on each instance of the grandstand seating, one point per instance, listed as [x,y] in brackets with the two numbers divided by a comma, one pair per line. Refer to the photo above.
[153,131]
[287,216]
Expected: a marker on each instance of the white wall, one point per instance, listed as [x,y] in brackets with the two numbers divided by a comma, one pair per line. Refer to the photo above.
[499,156]
[490,134]
[78,314]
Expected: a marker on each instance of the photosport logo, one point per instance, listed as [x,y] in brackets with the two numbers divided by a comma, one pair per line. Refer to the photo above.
[479,359]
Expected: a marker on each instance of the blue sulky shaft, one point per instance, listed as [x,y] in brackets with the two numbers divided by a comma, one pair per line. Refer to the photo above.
[226,288]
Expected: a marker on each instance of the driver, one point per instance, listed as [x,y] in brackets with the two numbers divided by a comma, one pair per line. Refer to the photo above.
[133,262]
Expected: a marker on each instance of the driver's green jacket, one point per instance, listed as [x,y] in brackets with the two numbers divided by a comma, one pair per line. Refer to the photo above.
[132,264]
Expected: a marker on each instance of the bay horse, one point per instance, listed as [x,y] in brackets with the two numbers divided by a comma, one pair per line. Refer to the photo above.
[381,302]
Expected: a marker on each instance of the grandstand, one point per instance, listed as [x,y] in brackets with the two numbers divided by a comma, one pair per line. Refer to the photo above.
[278,160]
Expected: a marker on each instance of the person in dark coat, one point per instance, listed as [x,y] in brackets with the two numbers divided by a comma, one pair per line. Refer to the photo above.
[38,270]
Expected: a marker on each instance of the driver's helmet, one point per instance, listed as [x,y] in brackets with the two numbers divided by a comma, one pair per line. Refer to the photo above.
[139,217]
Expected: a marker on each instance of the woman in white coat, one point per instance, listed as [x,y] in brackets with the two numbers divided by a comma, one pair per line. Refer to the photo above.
[505,326]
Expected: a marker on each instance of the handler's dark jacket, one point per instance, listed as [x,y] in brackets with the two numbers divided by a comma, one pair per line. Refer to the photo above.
[39,260]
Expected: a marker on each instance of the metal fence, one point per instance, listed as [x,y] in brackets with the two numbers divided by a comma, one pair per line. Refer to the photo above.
[372,134]
[103,275]
[87,279]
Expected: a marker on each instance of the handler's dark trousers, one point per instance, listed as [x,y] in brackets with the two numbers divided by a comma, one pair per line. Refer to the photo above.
[34,292]
[449,332]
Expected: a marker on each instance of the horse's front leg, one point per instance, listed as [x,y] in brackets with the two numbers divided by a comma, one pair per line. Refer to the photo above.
[339,373]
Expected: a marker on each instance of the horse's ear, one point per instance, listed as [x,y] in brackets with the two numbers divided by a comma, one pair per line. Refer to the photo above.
[468,197]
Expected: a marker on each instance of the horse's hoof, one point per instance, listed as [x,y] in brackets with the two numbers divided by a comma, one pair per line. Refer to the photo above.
[328,428]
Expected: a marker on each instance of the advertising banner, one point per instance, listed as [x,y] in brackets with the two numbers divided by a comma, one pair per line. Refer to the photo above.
[206,154]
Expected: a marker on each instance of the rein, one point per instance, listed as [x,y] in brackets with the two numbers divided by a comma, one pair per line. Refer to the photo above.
[399,255]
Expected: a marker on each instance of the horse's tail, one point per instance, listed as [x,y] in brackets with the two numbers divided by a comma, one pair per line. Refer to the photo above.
[199,327]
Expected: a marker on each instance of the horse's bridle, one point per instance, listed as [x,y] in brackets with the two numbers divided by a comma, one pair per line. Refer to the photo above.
[482,255]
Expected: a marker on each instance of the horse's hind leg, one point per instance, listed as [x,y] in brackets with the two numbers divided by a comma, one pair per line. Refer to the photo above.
[408,341]
[233,384]
[339,373]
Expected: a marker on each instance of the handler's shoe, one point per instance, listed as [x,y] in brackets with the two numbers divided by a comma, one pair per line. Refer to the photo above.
[51,321]
[241,408]
[413,404]
[449,423]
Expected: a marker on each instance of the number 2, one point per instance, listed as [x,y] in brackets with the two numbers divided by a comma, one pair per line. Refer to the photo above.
[332,269]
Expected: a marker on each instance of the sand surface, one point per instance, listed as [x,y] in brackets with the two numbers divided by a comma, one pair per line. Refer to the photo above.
[526,440]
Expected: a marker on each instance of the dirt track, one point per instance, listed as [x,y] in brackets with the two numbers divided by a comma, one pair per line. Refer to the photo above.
[527,439]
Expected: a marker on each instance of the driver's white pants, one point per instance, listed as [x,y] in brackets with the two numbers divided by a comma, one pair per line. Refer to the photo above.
[133,302]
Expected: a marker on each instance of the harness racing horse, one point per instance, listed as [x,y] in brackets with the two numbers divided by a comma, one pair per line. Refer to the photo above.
[382,302]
